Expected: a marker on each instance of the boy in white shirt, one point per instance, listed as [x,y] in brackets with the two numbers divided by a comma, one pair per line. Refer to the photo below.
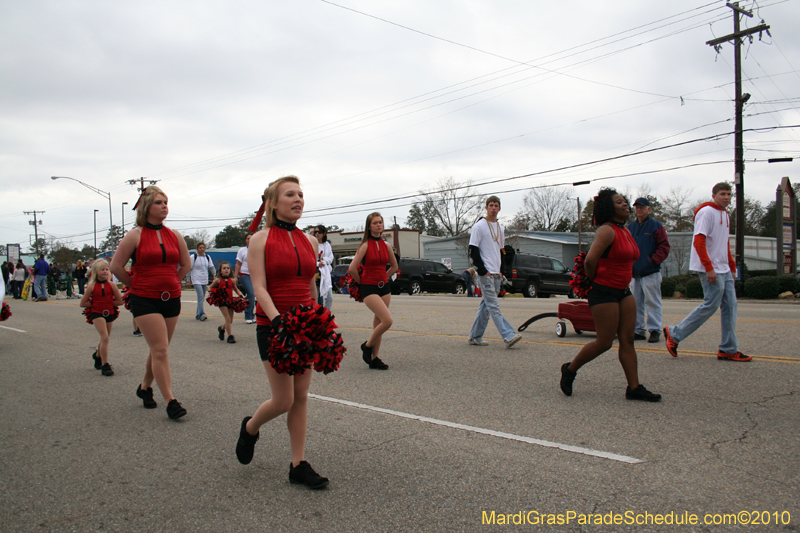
[711,258]
[486,241]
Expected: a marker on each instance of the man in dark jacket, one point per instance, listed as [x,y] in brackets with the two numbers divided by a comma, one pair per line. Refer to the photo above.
[41,269]
[651,238]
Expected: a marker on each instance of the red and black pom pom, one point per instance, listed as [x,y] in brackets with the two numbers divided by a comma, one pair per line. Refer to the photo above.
[580,283]
[218,296]
[353,288]
[238,304]
[303,338]
[5,313]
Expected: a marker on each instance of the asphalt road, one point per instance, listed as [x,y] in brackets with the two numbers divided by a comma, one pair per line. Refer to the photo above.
[447,436]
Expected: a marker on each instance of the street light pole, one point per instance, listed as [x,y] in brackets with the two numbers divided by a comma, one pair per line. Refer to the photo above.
[95,233]
[95,189]
[123,217]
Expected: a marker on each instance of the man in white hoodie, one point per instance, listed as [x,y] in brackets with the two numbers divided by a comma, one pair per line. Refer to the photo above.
[711,258]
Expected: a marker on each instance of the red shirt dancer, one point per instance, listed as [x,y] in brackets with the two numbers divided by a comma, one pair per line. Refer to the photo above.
[609,264]
[375,288]
[160,260]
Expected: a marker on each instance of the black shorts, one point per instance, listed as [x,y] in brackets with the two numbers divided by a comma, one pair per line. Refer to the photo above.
[263,337]
[110,318]
[603,294]
[368,290]
[147,306]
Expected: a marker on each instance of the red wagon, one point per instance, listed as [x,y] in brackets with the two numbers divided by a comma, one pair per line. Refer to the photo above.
[577,312]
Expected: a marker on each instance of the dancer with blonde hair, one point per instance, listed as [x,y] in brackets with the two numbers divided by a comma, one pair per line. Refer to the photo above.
[160,260]
[101,300]
[283,262]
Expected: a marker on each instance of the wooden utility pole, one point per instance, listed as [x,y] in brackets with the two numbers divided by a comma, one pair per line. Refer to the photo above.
[140,188]
[736,37]
[35,228]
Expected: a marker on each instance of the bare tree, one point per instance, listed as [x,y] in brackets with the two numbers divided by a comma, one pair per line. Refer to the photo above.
[545,209]
[678,215]
[454,206]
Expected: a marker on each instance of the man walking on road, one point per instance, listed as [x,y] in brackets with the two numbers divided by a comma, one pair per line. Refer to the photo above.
[651,238]
[712,259]
[486,241]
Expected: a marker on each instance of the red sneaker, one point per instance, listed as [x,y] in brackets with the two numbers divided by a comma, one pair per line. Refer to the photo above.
[738,356]
[672,346]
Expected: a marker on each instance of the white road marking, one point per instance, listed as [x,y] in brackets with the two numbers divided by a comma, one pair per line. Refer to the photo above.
[500,434]
[13,329]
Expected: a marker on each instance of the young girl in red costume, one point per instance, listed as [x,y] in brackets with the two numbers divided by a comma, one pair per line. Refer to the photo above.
[283,262]
[160,260]
[221,295]
[101,298]
[376,290]
[609,266]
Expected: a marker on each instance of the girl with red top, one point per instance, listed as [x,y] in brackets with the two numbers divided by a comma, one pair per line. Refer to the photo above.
[224,288]
[283,262]
[609,266]
[160,259]
[375,288]
[102,298]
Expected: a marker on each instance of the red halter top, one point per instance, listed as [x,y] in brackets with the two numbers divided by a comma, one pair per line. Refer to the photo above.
[375,262]
[615,267]
[289,269]
[102,297]
[155,266]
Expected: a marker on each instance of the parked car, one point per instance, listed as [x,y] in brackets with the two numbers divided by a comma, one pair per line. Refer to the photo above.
[537,276]
[337,277]
[422,275]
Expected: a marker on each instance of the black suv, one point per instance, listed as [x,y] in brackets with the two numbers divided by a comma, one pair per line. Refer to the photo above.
[422,275]
[537,276]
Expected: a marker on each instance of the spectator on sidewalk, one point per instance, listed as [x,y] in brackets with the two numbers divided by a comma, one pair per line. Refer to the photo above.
[41,269]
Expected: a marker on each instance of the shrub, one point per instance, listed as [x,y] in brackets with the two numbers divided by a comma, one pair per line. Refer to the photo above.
[762,287]
[788,283]
[761,273]
[681,289]
[668,287]
[694,289]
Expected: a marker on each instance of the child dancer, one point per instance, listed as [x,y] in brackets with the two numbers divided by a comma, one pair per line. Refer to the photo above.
[221,295]
[101,299]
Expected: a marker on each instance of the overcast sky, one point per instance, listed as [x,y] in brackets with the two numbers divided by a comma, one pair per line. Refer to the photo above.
[372,100]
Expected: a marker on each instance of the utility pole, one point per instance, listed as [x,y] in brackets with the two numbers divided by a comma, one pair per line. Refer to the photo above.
[140,188]
[736,37]
[36,224]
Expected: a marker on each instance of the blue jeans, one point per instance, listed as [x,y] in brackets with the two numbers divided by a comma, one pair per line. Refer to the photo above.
[647,293]
[81,285]
[719,295]
[200,289]
[489,306]
[468,280]
[326,300]
[247,283]
[41,287]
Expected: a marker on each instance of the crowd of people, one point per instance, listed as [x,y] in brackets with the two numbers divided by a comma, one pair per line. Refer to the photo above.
[277,268]
[44,277]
